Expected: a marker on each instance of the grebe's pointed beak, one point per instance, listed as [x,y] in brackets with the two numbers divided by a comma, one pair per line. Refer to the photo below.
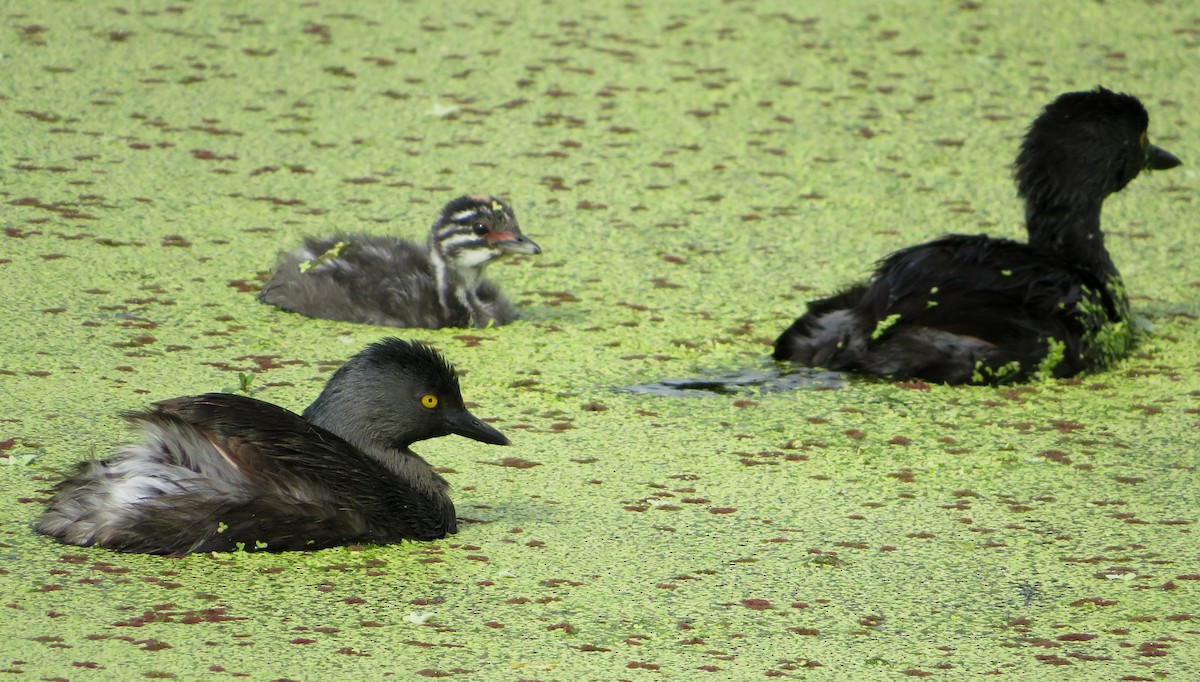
[1160,159]
[468,425]
[515,242]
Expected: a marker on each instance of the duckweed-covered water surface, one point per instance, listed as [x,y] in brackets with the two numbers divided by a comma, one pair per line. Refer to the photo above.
[674,505]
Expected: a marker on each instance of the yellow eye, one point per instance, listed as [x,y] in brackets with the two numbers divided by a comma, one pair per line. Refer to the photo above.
[429,400]
[1142,141]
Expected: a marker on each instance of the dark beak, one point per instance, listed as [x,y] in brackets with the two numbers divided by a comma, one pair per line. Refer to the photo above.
[519,243]
[1160,159]
[466,424]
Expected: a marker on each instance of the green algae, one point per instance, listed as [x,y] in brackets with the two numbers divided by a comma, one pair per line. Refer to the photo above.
[329,254]
[694,174]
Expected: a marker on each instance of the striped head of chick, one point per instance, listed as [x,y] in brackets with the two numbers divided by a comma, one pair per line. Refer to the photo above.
[474,230]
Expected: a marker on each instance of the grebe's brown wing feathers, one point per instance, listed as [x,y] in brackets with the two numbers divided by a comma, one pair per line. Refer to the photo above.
[216,472]
[953,308]
[975,284]
[268,445]
[279,451]
[1012,298]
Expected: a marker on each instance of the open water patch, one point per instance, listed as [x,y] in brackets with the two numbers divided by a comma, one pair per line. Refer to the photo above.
[754,381]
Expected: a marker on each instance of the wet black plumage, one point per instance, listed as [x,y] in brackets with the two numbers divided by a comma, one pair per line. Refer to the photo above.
[975,309]
[396,283]
[219,472]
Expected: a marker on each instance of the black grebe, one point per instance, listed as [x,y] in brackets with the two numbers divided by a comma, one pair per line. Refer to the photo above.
[220,472]
[973,309]
[396,283]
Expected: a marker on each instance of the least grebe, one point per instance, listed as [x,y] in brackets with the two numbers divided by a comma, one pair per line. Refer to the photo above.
[219,472]
[396,283]
[975,309]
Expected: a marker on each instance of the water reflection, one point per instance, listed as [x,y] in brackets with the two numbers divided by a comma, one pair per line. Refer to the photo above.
[769,380]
